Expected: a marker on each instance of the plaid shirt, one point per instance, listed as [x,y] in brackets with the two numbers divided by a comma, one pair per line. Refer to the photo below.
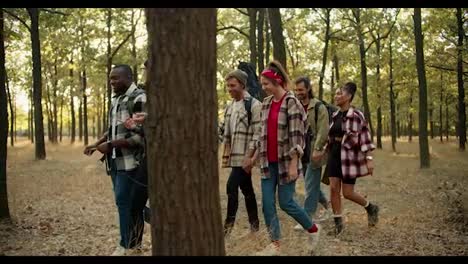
[291,127]
[355,144]
[125,158]
[241,137]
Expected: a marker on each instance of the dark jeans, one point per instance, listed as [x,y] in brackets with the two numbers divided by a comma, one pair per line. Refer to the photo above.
[240,178]
[130,197]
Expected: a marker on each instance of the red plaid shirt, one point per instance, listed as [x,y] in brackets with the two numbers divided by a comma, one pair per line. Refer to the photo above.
[355,144]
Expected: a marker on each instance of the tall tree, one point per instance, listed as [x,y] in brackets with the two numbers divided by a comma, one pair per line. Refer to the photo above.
[253,35]
[393,125]
[72,103]
[441,102]
[260,40]
[279,48]
[326,19]
[4,210]
[357,24]
[12,112]
[423,141]
[37,83]
[186,193]
[461,89]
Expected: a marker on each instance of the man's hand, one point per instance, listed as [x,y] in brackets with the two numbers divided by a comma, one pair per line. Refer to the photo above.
[104,148]
[247,164]
[136,119]
[89,150]
[317,155]
[292,169]
[370,166]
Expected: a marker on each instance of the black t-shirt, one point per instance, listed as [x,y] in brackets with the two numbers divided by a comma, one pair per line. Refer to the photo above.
[337,129]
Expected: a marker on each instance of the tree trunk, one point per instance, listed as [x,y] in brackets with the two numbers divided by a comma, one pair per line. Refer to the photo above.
[431,121]
[441,102]
[447,127]
[410,117]
[54,104]
[423,141]
[37,84]
[109,62]
[325,52]
[337,68]
[4,210]
[12,113]
[99,113]
[104,114]
[72,105]
[393,125]
[279,47]
[260,41]
[253,36]
[362,54]
[49,112]
[461,89]
[31,117]
[85,107]
[80,121]
[379,97]
[61,117]
[134,53]
[267,37]
[180,39]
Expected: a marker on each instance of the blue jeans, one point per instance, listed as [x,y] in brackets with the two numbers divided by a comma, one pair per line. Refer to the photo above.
[286,203]
[313,192]
[130,198]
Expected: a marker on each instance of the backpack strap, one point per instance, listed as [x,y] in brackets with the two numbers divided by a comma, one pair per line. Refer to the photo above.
[316,107]
[248,108]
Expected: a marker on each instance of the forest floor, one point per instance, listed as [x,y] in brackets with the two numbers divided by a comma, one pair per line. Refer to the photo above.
[64,206]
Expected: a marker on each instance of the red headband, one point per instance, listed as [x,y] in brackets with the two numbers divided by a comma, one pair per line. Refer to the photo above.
[273,75]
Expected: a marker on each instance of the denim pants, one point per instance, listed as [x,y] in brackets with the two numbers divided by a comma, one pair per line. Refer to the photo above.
[130,197]
[314,194]
[243,180]
[286,203]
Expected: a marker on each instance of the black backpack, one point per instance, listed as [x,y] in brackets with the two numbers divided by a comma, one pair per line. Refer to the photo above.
[309,134]
[253,84]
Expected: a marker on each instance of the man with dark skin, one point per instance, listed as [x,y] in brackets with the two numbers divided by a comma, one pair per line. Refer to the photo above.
[122,148]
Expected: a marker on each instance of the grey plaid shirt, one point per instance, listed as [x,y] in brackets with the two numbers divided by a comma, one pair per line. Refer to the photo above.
[125,158]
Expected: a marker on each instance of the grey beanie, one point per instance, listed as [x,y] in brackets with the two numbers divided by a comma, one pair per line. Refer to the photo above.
[240,75]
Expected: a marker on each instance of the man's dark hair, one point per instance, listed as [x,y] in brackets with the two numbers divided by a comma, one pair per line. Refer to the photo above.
[307,84]
[351,88]
[126,68]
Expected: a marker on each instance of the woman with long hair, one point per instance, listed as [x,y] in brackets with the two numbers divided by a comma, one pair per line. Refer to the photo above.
[280,148]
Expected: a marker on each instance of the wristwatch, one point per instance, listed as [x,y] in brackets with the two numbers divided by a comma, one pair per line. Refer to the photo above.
[369,158]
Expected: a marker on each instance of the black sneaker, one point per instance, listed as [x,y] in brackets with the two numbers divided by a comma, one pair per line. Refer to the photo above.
[372,214]
[254,227]
[338,225]
[228,228]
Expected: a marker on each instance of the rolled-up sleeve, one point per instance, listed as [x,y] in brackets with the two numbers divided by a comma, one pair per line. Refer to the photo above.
[296,123]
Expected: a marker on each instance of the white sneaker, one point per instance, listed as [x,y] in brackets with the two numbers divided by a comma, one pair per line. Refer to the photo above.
[270,250]
[120,251]
[298,227]
[314,238]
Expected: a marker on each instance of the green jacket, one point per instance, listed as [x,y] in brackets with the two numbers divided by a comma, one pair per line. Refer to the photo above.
[319,130]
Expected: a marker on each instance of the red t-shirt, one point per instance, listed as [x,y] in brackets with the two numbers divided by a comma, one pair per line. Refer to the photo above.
[272,131]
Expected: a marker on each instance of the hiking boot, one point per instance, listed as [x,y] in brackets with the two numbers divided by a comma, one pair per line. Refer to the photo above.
[314,238]
[338,225]
[254,227]
[372,214]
